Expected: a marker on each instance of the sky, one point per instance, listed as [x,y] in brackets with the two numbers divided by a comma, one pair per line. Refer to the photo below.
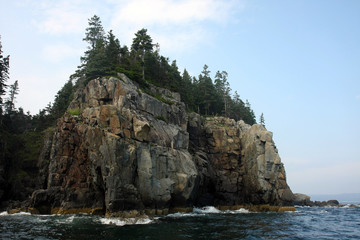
[297,62]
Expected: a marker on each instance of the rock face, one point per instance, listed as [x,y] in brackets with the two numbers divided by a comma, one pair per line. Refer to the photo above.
[304,200]
[128,150]
[237,163]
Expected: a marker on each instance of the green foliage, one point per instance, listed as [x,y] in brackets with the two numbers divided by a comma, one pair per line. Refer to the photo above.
[62,100]
[162,118]
[262,120]
[74,111]
[94,32]
[4,76]
[144,64]
[10,103]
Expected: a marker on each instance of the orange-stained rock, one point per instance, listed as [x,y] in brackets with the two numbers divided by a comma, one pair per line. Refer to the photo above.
[129,152]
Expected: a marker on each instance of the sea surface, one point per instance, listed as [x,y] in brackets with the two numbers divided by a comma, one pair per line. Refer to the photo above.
[203,223]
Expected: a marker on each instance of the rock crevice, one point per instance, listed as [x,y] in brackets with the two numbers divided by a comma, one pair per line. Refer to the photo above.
[131,150]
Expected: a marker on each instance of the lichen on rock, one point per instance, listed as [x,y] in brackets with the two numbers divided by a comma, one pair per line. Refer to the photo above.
[118,155]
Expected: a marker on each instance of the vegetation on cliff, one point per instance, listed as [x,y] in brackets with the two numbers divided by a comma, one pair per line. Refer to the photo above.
[21,133]
[144,64]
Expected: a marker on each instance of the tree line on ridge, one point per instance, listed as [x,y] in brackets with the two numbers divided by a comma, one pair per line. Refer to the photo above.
[22,133]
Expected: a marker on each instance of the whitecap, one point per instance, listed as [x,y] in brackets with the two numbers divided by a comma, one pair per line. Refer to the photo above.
[69,219]
[350,206]
[181,214]
[21,214]
[241,210]
[4,213]
[207,209]
[112,221]
[125,221]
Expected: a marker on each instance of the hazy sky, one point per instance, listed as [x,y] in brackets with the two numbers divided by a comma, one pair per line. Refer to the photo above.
[298,62]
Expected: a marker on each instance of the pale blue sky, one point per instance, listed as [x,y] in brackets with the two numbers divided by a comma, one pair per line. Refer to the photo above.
[298,62]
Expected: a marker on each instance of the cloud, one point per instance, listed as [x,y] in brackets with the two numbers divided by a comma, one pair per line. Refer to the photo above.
[176,25]
[56,53]
[183,23]
[166,12]
[62,17]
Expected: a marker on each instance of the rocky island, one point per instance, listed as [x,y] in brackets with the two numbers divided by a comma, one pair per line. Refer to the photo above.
[120,149]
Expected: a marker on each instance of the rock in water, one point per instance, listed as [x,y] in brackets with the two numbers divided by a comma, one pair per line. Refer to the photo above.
[128,150]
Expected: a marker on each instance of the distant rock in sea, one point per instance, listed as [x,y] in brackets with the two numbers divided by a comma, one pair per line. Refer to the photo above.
[304,200]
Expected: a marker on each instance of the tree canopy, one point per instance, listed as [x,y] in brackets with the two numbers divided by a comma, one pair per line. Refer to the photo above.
[144,64]
[205,94]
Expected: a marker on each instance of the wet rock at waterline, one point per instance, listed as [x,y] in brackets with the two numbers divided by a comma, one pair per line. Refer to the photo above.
[127,150]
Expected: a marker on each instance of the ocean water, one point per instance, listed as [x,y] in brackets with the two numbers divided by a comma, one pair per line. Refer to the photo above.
[205,223]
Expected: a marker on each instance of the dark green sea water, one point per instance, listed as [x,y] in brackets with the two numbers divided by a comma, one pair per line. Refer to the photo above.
[208,223]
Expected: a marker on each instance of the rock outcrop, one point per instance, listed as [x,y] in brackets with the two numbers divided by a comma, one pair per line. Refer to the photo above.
[304,200]
[122,149]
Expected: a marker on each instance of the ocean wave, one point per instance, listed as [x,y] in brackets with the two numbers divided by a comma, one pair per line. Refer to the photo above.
[126,221]
[4,213]
[241,210]
[207,209]
[14,214]
[68,220]
[351,206]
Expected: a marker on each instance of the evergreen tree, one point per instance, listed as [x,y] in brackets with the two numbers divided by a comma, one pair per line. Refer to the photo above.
[142,43]
[10,103]
[94,32]
[4,76]
[206,92]
[188,96]
[61,102]
[112,51]
[95,36]
[262,120]
[223,88]
[97,64]
[249,114]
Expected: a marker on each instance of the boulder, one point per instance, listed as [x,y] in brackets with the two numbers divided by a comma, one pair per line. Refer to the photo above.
[302,200]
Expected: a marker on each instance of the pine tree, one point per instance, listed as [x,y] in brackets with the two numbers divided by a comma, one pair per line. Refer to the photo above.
[142,43]
[189,94]
[262,120]
[97,64]
[95,36]
[10,103]
[206,96]
[223,88]
[94,32]
[4,76]
[112,51]
[62,100]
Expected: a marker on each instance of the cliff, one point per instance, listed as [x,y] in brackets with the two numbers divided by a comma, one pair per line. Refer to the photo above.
[120,148]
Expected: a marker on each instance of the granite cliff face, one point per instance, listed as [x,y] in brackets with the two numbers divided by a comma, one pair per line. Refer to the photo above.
[122,149]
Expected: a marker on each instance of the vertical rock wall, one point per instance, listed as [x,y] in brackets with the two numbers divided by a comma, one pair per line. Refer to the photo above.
[131,150]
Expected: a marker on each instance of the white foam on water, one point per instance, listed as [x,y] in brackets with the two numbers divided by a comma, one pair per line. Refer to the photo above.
[350,206]
[112,221]
[70,219]
[21,214]
[239,211]
[67,220]
[180,214]
[207,209]
[125,221]
[4,213]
